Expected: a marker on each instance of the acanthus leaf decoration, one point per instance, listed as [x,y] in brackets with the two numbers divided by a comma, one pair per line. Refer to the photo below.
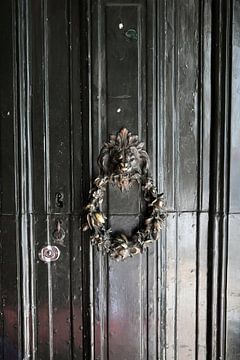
[123,161]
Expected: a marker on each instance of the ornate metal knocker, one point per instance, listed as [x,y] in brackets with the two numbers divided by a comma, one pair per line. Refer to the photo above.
[123,161]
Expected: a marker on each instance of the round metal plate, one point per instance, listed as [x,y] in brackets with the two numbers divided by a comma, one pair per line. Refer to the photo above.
[49,253]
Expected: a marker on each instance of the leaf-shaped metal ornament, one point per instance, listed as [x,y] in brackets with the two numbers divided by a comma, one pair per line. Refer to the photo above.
[122,162]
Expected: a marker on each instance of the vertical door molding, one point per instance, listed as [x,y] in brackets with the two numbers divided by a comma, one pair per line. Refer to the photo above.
[219,177]
[27,246]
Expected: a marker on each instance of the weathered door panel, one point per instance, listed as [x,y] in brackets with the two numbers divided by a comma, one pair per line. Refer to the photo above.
[10,308]
[73,73]
[38,164]
[57,142]
[155,73]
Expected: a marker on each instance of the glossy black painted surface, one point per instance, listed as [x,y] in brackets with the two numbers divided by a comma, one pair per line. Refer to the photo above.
[72,73]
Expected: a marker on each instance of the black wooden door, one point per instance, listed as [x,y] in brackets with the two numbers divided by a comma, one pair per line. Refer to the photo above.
[72,73]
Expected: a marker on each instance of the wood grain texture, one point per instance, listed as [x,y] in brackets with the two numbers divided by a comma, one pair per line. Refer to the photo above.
[74,72]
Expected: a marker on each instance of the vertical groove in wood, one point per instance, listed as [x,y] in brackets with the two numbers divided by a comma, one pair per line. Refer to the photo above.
[161,176]
[71,183]
[141,73]
[100,272]
[1,298]
[144,306]
[27,245]
[15,27]
[90,138]
[175,321]
[70,104]
[87,171]
[75,139]
[219,185]
[153,295]
[228,13]
[46,108]
[29,159]
[33,314]
[175,11]
[198,290]
[143,14]
[200,167]
[46,149]
[98,266]
[19,292]
[148,286]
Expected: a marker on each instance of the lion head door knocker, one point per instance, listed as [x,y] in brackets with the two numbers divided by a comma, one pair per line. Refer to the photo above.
[122,162]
